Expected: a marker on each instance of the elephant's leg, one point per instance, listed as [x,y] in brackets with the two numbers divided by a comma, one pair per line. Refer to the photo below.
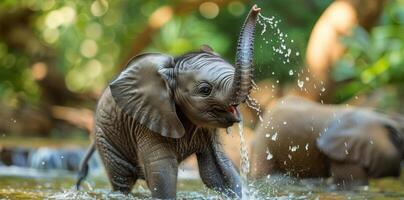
[217,171]
[346,175]
[160,167]
[122,174]
[261,166]
[261,163]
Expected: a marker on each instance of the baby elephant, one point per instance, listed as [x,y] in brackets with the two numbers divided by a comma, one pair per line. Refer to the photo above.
[161,109]
[307,139]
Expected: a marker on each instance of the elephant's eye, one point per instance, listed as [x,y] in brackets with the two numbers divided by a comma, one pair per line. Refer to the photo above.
[204,89]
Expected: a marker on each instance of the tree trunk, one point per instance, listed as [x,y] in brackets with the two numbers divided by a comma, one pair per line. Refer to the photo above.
[325,49]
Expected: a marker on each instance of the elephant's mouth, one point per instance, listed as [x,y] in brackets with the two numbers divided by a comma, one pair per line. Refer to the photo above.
[227,115]
[234,110]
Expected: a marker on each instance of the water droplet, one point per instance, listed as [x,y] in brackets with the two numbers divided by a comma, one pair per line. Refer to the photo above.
[269,155]
[275,136]
[293,148]
[290,72]
[267,135]
[300,84]
[297,53]
[307,146]
[289,52]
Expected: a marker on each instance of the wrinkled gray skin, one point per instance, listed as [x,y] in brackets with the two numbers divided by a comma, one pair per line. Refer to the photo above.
[161,109]
[346,143]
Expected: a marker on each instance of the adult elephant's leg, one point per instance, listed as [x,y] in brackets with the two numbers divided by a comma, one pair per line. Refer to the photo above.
[346,175]
[160,166]
[122,174]
[217,171]
[261,165]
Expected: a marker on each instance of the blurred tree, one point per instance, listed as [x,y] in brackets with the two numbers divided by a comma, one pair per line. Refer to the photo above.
[56,57]
[374,61]
[325,49]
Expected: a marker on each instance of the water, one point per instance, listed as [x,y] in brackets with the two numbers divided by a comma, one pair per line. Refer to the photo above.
[244,161]
[60,186]
[33,181]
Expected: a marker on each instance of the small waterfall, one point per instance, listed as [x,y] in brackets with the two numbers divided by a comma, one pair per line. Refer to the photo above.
[244,161]
[45,158]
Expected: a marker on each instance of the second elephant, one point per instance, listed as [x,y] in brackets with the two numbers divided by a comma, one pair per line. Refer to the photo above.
[306,139]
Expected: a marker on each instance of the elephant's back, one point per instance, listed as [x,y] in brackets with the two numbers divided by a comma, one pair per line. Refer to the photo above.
[293,125]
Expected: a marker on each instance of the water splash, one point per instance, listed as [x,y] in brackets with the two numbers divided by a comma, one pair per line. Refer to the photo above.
[244,161]
[280,47]
[253,104]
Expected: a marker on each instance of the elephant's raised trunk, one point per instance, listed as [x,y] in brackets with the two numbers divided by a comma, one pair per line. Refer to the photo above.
[244,56]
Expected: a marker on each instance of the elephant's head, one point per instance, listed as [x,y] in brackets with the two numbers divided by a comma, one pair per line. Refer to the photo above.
[399,129]
[373,139]
[155,88]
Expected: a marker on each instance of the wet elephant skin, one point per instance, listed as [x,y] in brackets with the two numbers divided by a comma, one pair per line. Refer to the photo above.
[161,109]
[307,139]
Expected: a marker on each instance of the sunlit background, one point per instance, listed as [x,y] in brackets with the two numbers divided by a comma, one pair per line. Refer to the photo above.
[56,57]
[64,53]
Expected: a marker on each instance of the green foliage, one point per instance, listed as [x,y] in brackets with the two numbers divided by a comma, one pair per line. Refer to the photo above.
[90,39]
[373,60]
[15,77]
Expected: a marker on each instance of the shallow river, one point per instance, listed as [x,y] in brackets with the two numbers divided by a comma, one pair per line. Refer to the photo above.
[58,185]
[40,182]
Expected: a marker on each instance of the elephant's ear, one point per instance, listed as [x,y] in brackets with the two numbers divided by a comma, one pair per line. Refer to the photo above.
[206,48]
[364,139]
[143,91]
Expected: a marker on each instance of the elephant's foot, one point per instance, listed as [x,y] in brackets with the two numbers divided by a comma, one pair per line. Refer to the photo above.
[347,175]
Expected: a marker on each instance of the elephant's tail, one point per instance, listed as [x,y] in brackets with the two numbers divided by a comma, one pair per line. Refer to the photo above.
[83,170]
